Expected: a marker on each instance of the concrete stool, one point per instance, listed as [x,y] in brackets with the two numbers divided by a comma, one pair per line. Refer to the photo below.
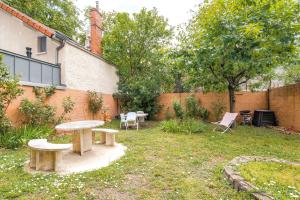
[46,156]
[107,136]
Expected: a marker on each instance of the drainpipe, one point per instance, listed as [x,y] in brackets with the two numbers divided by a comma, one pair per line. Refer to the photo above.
[62,44]
[62,41]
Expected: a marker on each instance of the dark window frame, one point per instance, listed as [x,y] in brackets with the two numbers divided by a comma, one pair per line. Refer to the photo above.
[42,44]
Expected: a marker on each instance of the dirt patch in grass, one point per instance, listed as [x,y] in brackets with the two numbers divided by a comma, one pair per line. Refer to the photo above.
[112,194]
[135,181]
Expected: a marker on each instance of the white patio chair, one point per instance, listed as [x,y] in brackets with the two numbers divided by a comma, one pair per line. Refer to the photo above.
[227,121]
[132,120]
[141,119]
[123,120]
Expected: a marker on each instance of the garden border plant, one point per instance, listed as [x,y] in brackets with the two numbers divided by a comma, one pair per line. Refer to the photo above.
[38,112]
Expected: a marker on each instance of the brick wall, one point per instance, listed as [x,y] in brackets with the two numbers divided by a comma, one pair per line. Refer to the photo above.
[285,102]
[244,101]
[80,111]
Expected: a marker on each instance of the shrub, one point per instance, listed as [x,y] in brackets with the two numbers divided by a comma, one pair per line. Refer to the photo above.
[188,126]
[138,93]
[95,102]
[37,113]
[179,113]
[18,137]
[203,113]
[9,91]
[171,126]
[11,140]
[218,107]
[192,107]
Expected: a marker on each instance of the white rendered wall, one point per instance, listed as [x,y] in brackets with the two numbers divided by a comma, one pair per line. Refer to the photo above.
[15,36]
[84,71]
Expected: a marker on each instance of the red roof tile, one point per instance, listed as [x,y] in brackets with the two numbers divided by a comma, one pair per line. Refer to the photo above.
[28,20]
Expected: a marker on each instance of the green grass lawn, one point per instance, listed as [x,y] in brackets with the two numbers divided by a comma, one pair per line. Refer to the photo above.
[157,165]
[280,180]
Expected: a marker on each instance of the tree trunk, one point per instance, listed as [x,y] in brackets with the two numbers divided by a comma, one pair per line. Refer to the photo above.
[231,98]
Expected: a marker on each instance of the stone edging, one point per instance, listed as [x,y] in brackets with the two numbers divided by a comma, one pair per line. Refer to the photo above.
[240,184]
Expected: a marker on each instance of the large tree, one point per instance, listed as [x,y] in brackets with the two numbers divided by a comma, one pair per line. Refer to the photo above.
[136,44]
[61,15]
[236,41]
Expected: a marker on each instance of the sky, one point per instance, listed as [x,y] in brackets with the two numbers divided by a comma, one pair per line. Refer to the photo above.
[176,11]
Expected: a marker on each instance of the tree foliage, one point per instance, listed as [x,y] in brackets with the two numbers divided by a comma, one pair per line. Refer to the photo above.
[136,44]
[235,41]
[9,91]
[61,15]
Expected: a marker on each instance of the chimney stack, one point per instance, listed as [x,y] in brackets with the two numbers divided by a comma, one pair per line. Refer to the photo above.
[96,30]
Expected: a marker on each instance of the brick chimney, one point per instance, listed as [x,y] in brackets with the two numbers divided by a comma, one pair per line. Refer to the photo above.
[96,30]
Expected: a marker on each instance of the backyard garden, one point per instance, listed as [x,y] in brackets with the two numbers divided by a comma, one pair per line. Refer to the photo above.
[178,89]
[164,165]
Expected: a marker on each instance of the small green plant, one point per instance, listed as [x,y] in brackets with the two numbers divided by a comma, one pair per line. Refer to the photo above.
[68,106]
[179,113]
[10,140]
[188,126]
[218,107]
[170,126]
[203,113]
[19,136]
[95,102]
[168,114]
[192,106]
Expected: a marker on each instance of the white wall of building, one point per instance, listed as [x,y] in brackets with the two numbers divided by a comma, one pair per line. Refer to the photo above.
[79,68]
[83,71]
[15,36]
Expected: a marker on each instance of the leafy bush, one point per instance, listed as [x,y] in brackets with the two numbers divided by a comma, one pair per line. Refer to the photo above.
[179,113]
[139,94]
[95,102]
[188,126]
[203,113]
[37,113]
[9,91]
[18,137]
[218,107]
[192,107]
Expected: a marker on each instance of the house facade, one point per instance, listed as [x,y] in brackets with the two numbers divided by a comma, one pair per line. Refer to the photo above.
[41,56]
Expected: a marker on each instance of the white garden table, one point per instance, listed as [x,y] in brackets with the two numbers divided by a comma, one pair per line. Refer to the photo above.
[82,134]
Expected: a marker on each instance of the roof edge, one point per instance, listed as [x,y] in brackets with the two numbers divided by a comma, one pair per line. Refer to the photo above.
[28,20]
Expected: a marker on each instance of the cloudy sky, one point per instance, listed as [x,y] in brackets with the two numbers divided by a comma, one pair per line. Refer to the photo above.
[177,11]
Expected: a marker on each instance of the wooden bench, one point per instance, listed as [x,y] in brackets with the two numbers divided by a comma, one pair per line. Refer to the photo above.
[46,156]
[107,136]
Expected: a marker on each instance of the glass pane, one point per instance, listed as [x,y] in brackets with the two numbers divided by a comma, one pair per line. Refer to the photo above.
[56,76]
[35,72]
[22,69]
[9,62]
[46,74]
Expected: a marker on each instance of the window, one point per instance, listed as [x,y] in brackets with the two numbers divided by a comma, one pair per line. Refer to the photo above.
[42,44]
